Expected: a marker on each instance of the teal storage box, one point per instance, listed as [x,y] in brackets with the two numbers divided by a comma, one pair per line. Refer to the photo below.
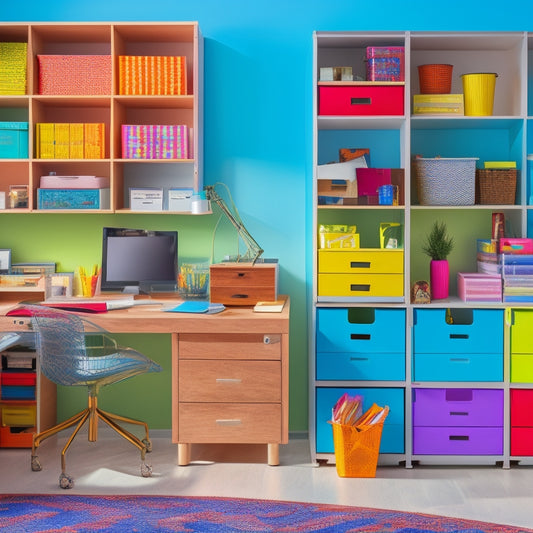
[393,436]
[13,140]
[73,198]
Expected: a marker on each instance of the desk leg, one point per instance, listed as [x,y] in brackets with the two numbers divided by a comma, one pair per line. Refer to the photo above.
[184,454]
[273,454]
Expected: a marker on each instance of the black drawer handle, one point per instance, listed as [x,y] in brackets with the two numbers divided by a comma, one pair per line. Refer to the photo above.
[458,413]
[239,296]
[361,101]
[241,274]
[459,437]
[458,336]
[360,336]
[359,287]
[359,264]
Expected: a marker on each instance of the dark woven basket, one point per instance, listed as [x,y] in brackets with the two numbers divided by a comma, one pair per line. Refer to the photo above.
[496,186]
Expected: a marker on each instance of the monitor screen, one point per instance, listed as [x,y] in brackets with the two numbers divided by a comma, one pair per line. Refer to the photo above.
[135,260]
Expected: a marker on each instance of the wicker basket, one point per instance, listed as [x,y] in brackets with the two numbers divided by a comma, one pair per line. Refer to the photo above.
[446,181]
[496,186]
[435,78]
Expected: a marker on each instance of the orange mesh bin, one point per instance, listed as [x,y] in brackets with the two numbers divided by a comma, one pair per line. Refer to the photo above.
[435,78]
[357,451]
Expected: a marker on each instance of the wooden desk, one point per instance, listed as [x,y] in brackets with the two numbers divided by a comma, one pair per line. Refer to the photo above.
[230,372]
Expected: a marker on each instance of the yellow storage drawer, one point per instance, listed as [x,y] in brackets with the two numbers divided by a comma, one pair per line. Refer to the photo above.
[364,260]
[360,285]
[18,415]
[521,338]
[521,368]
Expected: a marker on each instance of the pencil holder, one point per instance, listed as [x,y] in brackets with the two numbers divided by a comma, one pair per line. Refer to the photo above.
[193,280]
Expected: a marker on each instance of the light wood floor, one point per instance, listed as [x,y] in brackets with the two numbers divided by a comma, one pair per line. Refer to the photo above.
[112,466]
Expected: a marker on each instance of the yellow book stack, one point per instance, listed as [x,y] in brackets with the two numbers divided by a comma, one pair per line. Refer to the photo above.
[13,68]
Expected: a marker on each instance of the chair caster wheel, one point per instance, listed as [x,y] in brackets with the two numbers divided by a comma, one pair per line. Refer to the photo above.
[35,464]
[148,445]
[146,470]
[65,482]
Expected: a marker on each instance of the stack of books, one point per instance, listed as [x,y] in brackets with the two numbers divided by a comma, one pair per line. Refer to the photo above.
[13,68]
[517,273]
[70,140]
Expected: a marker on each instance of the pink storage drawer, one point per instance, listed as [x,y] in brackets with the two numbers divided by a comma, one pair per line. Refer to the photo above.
[361,100]
[521,407]
[457,441]
[521,441]
[457,407]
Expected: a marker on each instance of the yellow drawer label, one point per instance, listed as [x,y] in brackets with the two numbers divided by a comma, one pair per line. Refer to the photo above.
[18,415]
[360,285]
[360,261]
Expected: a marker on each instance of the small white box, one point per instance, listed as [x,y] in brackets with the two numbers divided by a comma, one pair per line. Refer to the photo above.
[180,200]
[2,200]
[146,199]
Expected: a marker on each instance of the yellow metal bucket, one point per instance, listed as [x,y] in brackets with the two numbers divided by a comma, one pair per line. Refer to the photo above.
[478,89]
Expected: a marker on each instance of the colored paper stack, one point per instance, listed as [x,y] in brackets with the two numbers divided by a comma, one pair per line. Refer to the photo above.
[517,273]
[155,141]
[152,75]
[476,287]
[70,141]
[13,68]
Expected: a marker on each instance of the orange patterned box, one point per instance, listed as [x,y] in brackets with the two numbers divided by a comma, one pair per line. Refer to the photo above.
[74,75]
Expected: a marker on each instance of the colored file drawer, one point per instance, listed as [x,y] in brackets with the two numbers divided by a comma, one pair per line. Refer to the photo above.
[361,100]
[457,440]
[521,328]
[521,407]
[360,330]
[18,415]
[360,366]
[361,285]
[13,140]
[458,407]
[361,261]
[27,379]
[522,441]
[482,335]
[17,392]
[457,367]
[521,368]
[393,436]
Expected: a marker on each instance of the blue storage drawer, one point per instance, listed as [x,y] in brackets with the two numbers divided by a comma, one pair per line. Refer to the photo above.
[360,330]
[393,436]
[360,366]
[475,331]
[457,367]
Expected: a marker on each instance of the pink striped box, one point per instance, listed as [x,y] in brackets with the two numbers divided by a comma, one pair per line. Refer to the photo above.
[155,141]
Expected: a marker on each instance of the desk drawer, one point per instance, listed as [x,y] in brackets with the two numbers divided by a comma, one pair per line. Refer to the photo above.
[229,381]
[361,100]
[457,407]
[18,415]
[457,367]
[229,423]
[360,285]
[229,346]
[458,440]
[363,261]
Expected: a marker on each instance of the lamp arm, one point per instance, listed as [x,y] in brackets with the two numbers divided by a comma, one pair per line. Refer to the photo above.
[254,251]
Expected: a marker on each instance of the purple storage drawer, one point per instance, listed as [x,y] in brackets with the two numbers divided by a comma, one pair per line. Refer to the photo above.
[458,407]
[457,441]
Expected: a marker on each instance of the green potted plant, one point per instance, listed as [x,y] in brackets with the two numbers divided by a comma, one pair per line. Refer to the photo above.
[437,246]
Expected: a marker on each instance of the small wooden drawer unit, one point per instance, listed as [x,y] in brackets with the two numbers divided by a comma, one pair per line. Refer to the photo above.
[457,421]
[468,347]
[393,436]
[243,283]
[521,346]
[367,99]
[363,273]
[521,421]
[360,344]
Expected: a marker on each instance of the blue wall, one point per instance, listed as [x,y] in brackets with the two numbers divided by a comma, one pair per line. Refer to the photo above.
[258,106]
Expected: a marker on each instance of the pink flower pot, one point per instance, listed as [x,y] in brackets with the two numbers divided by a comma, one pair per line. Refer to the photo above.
[439,272]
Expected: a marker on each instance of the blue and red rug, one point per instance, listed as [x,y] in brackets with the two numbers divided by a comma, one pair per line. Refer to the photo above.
[146,514]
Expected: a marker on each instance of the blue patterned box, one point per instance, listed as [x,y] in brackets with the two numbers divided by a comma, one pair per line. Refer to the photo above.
[73,199]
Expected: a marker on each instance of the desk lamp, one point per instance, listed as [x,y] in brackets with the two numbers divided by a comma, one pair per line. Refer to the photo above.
[253,251]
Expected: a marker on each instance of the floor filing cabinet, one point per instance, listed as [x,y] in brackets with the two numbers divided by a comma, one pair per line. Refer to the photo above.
[458,345]
[522,346]
[521,421]
[457,421]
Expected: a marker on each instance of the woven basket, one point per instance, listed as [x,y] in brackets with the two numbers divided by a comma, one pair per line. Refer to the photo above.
[446,181]
[496,186]
[435,78]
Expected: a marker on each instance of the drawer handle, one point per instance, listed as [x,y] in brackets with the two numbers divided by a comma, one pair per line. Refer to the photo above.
[361,101]
[459,437]
[241,274]
[458,336]
[239,296]
[458,413]
[460,359]
[228,380]
[358,358]
[271,339]
[359,287]
[360,336]
[359,264]
[228,421]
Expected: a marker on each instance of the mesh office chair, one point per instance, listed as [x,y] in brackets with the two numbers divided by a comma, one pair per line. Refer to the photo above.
[74,352]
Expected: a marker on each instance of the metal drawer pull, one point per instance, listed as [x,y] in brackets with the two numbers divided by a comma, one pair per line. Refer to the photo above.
[359,264]
[358,358]
[458,336]
[359,101]
[360,287]
[228,421]
[228,380]
[458,413]
[360,336]
[459,437]
[271,339]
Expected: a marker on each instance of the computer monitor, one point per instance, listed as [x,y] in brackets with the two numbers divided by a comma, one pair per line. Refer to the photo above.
[139,261]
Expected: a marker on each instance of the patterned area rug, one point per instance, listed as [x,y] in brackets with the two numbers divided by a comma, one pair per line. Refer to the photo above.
[128,514]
